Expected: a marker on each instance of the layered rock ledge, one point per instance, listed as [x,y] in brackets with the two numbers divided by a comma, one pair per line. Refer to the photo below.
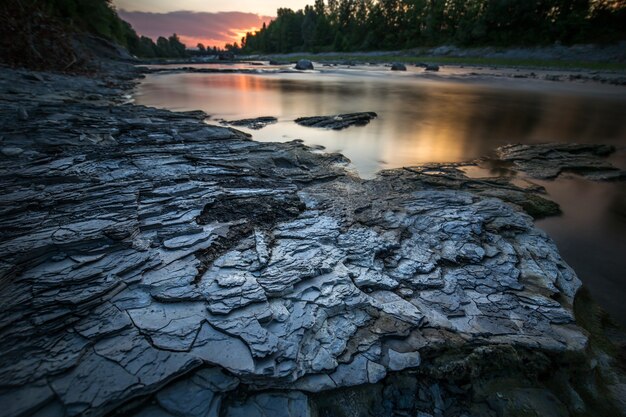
[254,123]
[551,159]
[338,121]
[153,265]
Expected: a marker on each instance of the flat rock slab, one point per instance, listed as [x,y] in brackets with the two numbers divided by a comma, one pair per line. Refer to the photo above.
[337,122]
[549,160]
[172,256]
[531,198]
[255,123]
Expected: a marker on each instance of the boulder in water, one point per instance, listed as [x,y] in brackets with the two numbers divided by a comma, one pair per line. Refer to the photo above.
[304,64]
[337,122]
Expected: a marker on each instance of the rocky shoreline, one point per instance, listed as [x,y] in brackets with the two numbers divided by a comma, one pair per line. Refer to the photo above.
[154,265]
[458,72]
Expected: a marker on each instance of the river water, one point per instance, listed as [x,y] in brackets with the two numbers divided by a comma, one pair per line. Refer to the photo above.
[443,117]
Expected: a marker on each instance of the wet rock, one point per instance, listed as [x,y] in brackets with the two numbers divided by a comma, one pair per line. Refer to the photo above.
[550,160]
[26,400]
[304,64]
[256,123]
[360,371]
[291,404]
[197,396]
[337,122]
[507,399]
[399,361]
[428,67]
[359,401]
[397,66]
[441,176]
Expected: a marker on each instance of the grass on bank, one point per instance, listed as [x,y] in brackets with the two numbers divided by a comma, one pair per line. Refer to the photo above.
[449,60]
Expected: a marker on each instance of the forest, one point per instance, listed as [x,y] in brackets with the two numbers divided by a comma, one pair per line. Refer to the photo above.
[360,25]
[99,17]
[38,32]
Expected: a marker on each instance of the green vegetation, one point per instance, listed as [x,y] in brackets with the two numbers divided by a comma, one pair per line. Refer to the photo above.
[100,18]
[351,25]
[93,16]
[409,58]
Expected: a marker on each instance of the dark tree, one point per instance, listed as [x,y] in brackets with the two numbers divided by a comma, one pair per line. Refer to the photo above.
[347,25]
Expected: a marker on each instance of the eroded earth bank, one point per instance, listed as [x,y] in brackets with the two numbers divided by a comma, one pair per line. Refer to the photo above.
[153,265]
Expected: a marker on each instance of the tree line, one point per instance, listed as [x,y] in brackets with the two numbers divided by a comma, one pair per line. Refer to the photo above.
[350,25]
[100,18]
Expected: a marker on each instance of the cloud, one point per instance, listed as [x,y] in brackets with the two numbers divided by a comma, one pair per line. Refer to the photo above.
[212,29]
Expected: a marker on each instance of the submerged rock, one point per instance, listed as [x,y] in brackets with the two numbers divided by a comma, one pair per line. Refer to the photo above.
[428,67]
[337,122]
[397,66]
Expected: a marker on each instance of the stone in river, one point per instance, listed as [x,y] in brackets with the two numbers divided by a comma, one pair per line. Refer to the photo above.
[337,122]
[255,123]
[304,64]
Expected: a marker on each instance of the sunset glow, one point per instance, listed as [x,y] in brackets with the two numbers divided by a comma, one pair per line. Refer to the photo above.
[210,29]
[242,32]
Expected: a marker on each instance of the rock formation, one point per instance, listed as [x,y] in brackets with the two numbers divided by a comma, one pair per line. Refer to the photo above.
[397,66]
[551,159]
[337,122]
[153,265]
[255,123]
[304,64]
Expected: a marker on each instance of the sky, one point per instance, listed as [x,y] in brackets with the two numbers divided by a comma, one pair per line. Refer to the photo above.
[211,22]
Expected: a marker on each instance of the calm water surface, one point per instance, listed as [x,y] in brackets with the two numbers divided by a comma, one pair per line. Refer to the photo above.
[440,118]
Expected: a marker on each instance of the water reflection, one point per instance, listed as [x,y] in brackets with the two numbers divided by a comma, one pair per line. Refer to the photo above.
[420,120]
[592,237]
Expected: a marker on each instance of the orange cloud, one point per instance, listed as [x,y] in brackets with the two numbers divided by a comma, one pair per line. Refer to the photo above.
[211,29]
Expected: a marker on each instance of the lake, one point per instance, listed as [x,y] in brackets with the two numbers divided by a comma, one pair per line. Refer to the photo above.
[444,117]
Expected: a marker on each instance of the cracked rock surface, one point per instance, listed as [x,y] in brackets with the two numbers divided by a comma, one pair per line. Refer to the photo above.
[146,255]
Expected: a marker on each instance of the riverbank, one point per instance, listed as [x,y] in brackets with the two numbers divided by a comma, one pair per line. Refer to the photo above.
[581,57]
[485,72]
[148,256]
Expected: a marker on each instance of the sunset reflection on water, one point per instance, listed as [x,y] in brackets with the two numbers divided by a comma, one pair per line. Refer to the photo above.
[419,120]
